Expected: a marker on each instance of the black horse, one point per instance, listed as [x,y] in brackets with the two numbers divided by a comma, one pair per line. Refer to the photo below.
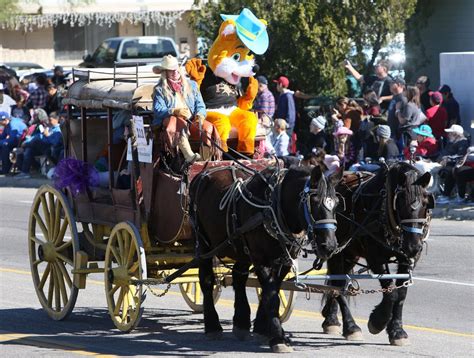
[263,220]
[386,216]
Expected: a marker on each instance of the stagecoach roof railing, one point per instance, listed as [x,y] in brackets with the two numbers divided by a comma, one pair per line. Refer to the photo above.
[116,88]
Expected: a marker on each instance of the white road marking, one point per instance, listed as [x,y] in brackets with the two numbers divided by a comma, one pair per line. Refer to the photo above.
[443,281]
[26,201]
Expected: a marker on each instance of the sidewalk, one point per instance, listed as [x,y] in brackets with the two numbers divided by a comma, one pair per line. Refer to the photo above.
[449,212]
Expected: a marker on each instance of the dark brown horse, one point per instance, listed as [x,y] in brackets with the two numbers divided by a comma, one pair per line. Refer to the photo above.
[385,217]
[262,220]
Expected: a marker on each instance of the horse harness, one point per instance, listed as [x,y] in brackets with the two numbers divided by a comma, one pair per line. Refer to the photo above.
[392,225]
[270,216]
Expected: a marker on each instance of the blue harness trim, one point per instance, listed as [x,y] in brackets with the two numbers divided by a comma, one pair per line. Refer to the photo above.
[413,230]
[325,226]
[308,217]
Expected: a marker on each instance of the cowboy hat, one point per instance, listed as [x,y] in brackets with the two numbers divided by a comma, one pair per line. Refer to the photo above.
[250,30]
[168,63]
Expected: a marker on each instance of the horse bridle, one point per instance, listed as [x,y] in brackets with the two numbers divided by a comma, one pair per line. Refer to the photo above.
[411,229]
[324,224]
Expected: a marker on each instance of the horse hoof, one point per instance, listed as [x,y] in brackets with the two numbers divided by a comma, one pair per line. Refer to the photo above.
[400,342]
[241,334]
[214,336]
[333,330]
[354,336]
[261,338]
[282,348]
[372,329]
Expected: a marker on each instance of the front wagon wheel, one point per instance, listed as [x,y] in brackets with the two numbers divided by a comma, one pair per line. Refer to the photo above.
[52,245]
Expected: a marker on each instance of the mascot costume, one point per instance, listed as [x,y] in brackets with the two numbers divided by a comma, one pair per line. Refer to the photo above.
[228,62]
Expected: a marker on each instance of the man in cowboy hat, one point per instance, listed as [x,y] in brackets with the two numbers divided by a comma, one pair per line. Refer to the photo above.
[176,102]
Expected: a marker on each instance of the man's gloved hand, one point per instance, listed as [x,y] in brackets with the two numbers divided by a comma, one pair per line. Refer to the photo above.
[200,119]
[182,112]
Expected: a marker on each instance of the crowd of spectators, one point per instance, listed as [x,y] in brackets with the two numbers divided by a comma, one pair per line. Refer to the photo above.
[30,118]
[394,121]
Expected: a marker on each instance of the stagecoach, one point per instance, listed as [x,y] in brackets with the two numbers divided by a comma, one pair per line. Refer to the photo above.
[133,228]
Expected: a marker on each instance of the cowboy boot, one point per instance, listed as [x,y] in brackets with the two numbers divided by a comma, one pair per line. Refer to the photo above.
[185,148]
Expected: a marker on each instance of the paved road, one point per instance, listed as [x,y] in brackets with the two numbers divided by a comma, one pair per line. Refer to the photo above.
[438,313]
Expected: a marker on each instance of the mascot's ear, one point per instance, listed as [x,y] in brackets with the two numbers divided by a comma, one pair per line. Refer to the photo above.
[316,174]
[423,180]
[227,28]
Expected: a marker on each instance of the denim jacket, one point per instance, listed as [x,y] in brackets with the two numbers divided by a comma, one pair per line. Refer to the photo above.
[163,108]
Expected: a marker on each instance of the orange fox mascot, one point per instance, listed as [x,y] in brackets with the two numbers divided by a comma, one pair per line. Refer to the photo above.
[228,62]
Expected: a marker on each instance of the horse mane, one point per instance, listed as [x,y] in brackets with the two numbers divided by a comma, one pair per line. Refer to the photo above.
[411,175]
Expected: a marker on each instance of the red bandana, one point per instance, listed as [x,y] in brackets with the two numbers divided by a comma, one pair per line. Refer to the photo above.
[176,86]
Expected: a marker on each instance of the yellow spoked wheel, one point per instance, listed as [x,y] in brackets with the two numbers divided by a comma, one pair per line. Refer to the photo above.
[287,303]
[287,298]
[124,263]
[52,245]
[192,295]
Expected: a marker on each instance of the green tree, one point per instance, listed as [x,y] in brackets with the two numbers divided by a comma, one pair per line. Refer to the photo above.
[309,39]
[8,8]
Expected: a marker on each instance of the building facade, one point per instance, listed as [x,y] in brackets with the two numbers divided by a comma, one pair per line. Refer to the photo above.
[52,33]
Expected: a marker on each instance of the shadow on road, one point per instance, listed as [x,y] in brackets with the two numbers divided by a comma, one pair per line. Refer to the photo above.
[160,333]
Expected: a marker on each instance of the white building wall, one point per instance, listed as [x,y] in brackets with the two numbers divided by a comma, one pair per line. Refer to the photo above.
[457,71]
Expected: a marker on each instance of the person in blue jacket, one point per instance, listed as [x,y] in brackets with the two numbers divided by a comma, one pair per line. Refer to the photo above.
[13,129]
[177,97]
[48,141]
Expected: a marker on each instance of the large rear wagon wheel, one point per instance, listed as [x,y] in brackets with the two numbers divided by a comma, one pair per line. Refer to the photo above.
[192,295]
[52,245]
[125,261]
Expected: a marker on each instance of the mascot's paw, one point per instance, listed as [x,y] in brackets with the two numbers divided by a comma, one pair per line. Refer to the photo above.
[252,89]
[196,69]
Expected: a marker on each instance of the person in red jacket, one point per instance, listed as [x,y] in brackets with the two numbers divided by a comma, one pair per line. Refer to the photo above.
[425,143]
[437,116]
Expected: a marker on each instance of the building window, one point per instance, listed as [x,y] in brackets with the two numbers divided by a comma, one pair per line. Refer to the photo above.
[71,43]
[157,30]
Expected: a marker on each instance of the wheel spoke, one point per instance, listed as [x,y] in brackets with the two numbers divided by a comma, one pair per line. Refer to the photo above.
[36,240]
[118,304]
[131,255]
[64,246]
[45,276]
[127,247]
[61,233]
[41,224]
[189,288]
[51,288]
[57,220]
[64,258]
[45,212]
[62,287]
[57,293]
[65,273]
[113,290]
[52,223]
[133,269]
[37,262]
[283,300]
[125,306]
[197,293]
[120,245]
[116,255]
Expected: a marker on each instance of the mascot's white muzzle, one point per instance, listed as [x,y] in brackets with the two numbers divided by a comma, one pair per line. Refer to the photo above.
[232,71]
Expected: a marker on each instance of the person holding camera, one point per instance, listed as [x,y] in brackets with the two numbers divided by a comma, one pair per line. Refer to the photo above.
[379,82]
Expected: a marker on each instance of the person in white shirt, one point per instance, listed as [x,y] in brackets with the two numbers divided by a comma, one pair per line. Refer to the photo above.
[278,140]
[6,102]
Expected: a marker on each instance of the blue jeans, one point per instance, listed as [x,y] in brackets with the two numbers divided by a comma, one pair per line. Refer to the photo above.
[5,149]
[31,150]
